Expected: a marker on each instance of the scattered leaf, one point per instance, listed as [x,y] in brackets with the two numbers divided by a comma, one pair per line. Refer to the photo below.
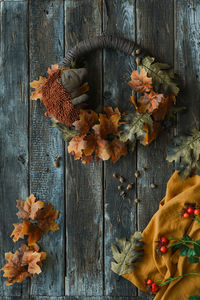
[128,253]
[185,151]
[67,132]
[24,263]
[53,69]
[88,118]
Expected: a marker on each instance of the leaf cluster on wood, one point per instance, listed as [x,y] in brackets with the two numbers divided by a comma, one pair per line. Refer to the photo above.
[99,136]
[38,218]
[185,152]
[127,253]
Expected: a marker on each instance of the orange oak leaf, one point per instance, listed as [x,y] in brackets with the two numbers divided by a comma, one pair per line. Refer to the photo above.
[33,232]
[25,262]
[118,149]
[75,147]
[29,208]
[151,136]
[140,82]
[88,118]
[37,85]
[53,69]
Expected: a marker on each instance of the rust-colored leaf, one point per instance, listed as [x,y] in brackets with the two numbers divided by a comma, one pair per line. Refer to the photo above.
[29,208]
[151,136]
[46,218]
[26,228]
[88,118]
[53,69]
[140,82]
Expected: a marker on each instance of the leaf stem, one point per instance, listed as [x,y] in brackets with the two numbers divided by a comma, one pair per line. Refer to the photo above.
[170,279]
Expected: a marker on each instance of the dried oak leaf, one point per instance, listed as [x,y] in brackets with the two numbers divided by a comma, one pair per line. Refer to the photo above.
[162,76]
[185,152]
[133,127]
[67,132]
[24,263]
[140,82]
[88,118]
[33,232]
[37,85]
[29,208]
[127,253]
[151,136]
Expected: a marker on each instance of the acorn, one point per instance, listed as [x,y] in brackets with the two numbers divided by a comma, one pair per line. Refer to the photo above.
[120,187]
[122,194]
[114,175]
[121,179]
[137,200]
[137,174]
[138,51]
[144,169]
[56,162]
[153,186]
[129,186]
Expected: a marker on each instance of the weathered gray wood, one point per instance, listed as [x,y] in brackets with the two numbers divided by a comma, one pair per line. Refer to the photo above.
[75,298]
[13,126]
[187,61]
[47,182]
[155,33]
[119,212]
[84,218]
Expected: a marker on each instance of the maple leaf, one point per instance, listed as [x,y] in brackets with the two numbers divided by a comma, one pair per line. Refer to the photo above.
[46,218]
[53,69]
[33,232]
[37,85]
[29,208]
[118,149]
[185,152]
[140,82]
[88,118]
[75,147]
[25,262]
[162,76]
[129,252]
[133,126]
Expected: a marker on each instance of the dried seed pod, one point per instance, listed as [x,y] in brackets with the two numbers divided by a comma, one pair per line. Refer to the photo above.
[153,186]
[137,174]
[120,187]
[138,51]
[114,175]
[138,61]
[121,179]
[56,162]
[129,186]
[137,200]
[144,169]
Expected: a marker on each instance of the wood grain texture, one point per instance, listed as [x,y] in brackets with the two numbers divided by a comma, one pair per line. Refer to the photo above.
[46,22]
[119,212]
[13,126]
[154,32]
[84,218]
[187,61]
[76,298]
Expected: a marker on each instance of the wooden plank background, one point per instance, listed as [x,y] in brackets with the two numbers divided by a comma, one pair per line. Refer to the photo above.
[35,34]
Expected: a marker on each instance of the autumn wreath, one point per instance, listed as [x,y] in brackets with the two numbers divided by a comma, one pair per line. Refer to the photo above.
[110,133]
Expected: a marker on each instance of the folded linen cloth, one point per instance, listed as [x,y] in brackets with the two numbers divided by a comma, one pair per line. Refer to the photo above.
[168,222]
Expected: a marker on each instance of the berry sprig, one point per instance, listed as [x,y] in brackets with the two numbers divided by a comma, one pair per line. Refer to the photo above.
[191,211]
[154,286]
[162,245]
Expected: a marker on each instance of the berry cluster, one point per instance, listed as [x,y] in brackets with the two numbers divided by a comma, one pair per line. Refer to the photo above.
[162,245]
[152,285]
[190,211]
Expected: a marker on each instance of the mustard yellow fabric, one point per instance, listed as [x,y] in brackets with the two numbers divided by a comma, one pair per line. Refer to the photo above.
[168,222]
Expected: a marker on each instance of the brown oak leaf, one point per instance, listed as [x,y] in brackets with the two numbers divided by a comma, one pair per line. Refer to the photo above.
[46,218]
[140,82]
[33,232]
[88,118]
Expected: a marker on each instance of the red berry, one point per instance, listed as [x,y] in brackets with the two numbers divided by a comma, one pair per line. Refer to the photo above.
[163,249]
[164,240]
[190,210]
[186,215]
[149,282]
[154,287]
[197,211]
